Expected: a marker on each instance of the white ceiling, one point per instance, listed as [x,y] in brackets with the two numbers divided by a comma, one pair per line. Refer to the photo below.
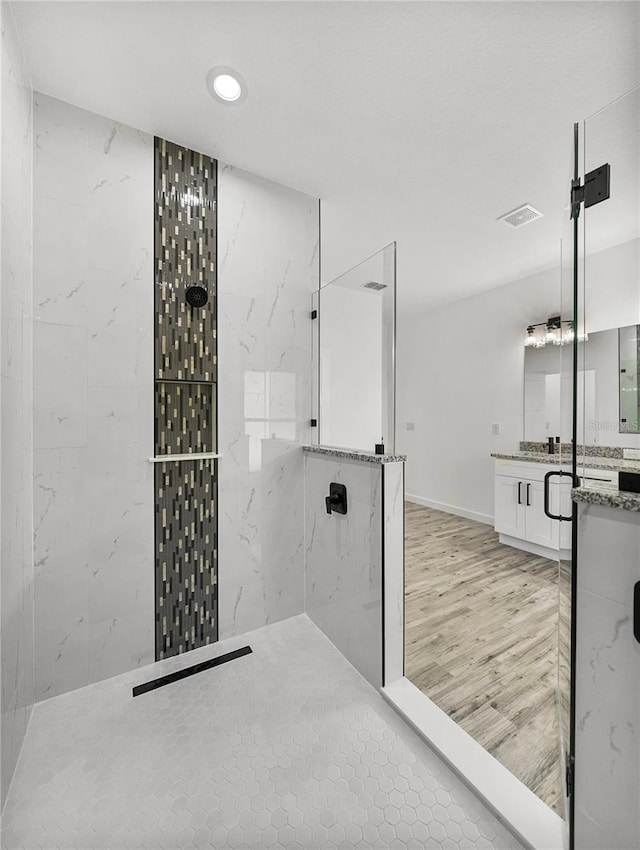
[416,121]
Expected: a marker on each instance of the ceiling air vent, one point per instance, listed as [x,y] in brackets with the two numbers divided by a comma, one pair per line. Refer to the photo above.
[373,284]
[520,216]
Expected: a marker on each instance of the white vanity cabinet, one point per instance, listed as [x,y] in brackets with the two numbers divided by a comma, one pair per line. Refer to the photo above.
[519,516]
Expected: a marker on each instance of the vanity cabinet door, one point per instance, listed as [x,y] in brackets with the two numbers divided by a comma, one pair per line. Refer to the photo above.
[540,529]
[509,515]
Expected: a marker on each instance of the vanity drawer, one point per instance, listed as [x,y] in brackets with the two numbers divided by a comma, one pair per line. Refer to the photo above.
[599,477]
[528,471]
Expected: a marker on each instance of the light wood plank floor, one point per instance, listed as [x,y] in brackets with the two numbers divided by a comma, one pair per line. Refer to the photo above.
[481,640]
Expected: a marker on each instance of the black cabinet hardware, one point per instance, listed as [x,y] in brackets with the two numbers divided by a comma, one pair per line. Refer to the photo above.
[519,493]
[528,499]
[636,611]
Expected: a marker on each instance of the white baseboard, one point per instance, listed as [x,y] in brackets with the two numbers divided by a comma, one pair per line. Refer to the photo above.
[450,509]
[536,825]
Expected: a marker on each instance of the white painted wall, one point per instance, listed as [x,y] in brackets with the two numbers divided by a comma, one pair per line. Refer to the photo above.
[16,417]
[461,370]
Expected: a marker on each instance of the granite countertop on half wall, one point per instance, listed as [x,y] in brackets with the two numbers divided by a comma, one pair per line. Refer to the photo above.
[353,454]
[615,464]
[607,498]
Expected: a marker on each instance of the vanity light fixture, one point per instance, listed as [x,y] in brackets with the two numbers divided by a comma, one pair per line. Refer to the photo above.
[530,341]
[552,332]
[226,85]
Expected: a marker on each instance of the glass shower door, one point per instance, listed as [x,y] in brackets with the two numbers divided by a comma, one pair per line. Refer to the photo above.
[571,359]
[601,293]
[356,341]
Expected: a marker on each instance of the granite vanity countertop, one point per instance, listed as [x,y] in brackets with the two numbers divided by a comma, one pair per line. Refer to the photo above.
[353,454]
[606,497]
[615,464]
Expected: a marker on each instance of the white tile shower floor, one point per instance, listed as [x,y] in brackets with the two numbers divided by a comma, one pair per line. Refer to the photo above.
[285,748]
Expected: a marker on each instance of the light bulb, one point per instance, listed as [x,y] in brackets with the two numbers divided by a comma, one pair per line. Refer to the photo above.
[227,87]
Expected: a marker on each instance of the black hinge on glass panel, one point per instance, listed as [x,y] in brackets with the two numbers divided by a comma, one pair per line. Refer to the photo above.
[569,774]
[595,189]
[314,314]
[314,423]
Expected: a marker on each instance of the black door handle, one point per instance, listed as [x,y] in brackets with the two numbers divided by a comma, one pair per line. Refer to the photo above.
[528,500]
[636,611]
[519,496]
[547,497]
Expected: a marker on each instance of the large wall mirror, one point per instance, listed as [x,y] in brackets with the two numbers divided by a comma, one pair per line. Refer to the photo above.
[608,392]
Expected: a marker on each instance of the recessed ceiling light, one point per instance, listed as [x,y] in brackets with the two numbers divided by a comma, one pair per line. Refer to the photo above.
[226,85]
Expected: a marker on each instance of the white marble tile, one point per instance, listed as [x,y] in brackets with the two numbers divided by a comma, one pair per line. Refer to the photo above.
[62,632]
[607,727]
[16,130]
[93,389]
[60,355]
[60,510]
[609,566]
[393,477]
[268,268]
[120,427]
[122,643]
[119,186]
[60,261]
[283,528]
[241,577]
[120,557]
[120,352]
[343,572]
[60,416]
[60,150]
[12,460]
[16,284]
[16,426]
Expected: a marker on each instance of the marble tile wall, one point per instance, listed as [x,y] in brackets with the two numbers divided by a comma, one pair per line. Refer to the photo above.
[343,575]
[393,482]
[607,767]
[268,241]
[16,419]
[93,397]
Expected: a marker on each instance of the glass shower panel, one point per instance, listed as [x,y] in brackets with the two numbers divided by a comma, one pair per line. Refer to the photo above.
[606,704]
[357,356]
[611,306]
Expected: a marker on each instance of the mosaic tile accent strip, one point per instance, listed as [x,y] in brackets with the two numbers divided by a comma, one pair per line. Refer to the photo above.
[185,400]
[185,256]
[186,556]
[185,418]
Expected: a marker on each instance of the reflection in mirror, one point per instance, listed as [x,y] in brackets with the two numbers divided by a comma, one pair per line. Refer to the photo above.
[628,347]
[607,390]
